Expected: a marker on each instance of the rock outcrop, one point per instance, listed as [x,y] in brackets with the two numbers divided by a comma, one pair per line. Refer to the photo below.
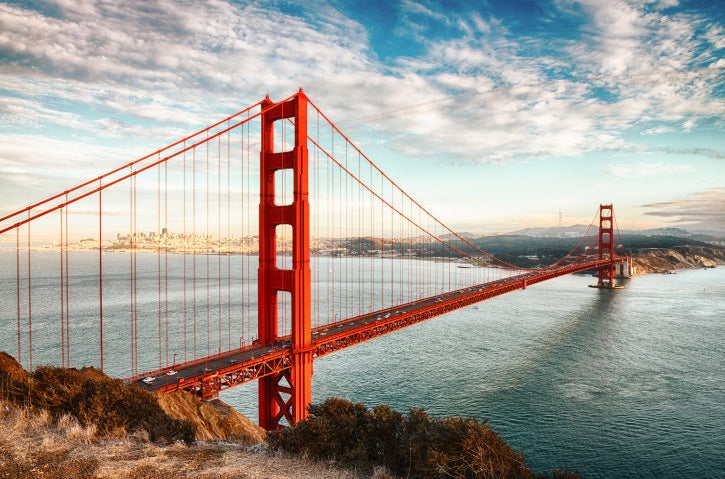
[663,260]
[212,420]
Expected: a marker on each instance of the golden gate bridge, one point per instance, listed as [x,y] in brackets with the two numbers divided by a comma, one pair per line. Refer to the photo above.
[244,252]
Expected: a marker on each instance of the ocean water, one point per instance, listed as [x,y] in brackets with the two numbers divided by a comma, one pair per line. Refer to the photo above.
[627,383]
[613,384]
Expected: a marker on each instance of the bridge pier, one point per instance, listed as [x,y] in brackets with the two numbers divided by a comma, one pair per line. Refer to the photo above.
[624,268]
[284,397]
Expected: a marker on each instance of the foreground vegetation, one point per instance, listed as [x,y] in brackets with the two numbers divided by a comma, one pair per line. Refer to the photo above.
[415,445]
[67,423]
[58,423]
[93,399]
[34,445]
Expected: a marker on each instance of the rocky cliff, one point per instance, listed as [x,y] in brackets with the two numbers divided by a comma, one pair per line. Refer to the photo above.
[663,260]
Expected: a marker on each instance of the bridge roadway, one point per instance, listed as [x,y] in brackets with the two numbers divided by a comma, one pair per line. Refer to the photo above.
[207,376]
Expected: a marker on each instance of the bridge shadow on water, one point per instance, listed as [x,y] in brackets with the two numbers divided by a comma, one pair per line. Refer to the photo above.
[573,339]
[544,339]
[562,383]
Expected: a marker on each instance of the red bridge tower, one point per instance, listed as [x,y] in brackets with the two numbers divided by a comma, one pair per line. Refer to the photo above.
[606,246]
[285,395]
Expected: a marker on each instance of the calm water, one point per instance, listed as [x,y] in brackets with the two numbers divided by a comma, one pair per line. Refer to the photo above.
[626,383]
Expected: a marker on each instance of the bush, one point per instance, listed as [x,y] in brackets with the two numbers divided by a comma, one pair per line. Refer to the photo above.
[415,445]
[94,399]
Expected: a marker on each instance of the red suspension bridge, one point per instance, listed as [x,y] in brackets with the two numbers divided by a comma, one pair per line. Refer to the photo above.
[243,252]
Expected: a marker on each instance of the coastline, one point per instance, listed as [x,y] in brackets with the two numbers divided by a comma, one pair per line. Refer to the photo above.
[677,258]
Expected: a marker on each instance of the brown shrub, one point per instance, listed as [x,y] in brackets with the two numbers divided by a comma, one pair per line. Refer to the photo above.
[415,445]
[93,398]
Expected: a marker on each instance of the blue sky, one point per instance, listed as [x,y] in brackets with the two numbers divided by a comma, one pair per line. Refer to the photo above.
[495,115]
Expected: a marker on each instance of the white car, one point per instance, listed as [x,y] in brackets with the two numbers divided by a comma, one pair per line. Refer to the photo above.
[149,379]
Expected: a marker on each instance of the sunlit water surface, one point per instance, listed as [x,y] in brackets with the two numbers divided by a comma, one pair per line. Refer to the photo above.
[625,383]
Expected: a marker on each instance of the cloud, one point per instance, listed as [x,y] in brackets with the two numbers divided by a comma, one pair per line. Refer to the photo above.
[157,59]
[493,96]
[154,70]
[646,170]
[701,210]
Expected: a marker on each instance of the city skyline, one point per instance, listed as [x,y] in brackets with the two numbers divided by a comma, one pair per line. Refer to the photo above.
[510,114]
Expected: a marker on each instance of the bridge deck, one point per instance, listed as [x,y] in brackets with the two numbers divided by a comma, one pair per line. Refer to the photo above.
[209,375]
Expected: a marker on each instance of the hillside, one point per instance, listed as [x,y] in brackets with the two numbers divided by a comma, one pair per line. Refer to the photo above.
[34,445]
[61,423]
[652,253]
[212,420]
[663,260]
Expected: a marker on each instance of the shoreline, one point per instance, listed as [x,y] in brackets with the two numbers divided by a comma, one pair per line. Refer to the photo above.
[677,258]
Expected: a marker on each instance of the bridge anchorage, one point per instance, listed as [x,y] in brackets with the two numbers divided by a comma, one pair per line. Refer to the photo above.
[335,254]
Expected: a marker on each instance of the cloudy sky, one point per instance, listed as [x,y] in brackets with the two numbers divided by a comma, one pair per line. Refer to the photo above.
[495,115]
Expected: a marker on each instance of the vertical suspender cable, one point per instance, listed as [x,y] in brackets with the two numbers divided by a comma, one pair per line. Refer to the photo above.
[229,257]
[158,262]
[401,226]
[135,268]
[67,290]
[100,268]
[193,245]
[340,278]
[206,253]
[328,231]
[134,277]
[382,242]
[30,306]
[244,229]
[130,271]
[410,256]
[372,244]
[165,239]
[185,241]
[17,283]
[62,296]
[359,242]
[218,243]
[318,220]
[248,236]
[346,259]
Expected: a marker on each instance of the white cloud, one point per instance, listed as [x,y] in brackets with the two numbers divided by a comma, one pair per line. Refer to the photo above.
[659,130]
[479,96]
[700,210]
[646,170]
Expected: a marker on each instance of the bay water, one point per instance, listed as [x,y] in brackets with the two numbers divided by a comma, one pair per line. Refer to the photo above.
[623,383]
[626,383]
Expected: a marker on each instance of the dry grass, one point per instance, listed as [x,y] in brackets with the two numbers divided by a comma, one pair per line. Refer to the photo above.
[211,420]
[33,445]
[65,423]
[92,398]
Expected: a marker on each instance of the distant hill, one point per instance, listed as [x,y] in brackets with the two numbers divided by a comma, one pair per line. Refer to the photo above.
[551,232]
[578,230]
[533,251]
[464,234]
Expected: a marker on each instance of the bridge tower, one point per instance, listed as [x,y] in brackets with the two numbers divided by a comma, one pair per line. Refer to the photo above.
[285,395]
[606,246]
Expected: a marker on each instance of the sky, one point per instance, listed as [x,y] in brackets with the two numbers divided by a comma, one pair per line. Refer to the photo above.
[495,115]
